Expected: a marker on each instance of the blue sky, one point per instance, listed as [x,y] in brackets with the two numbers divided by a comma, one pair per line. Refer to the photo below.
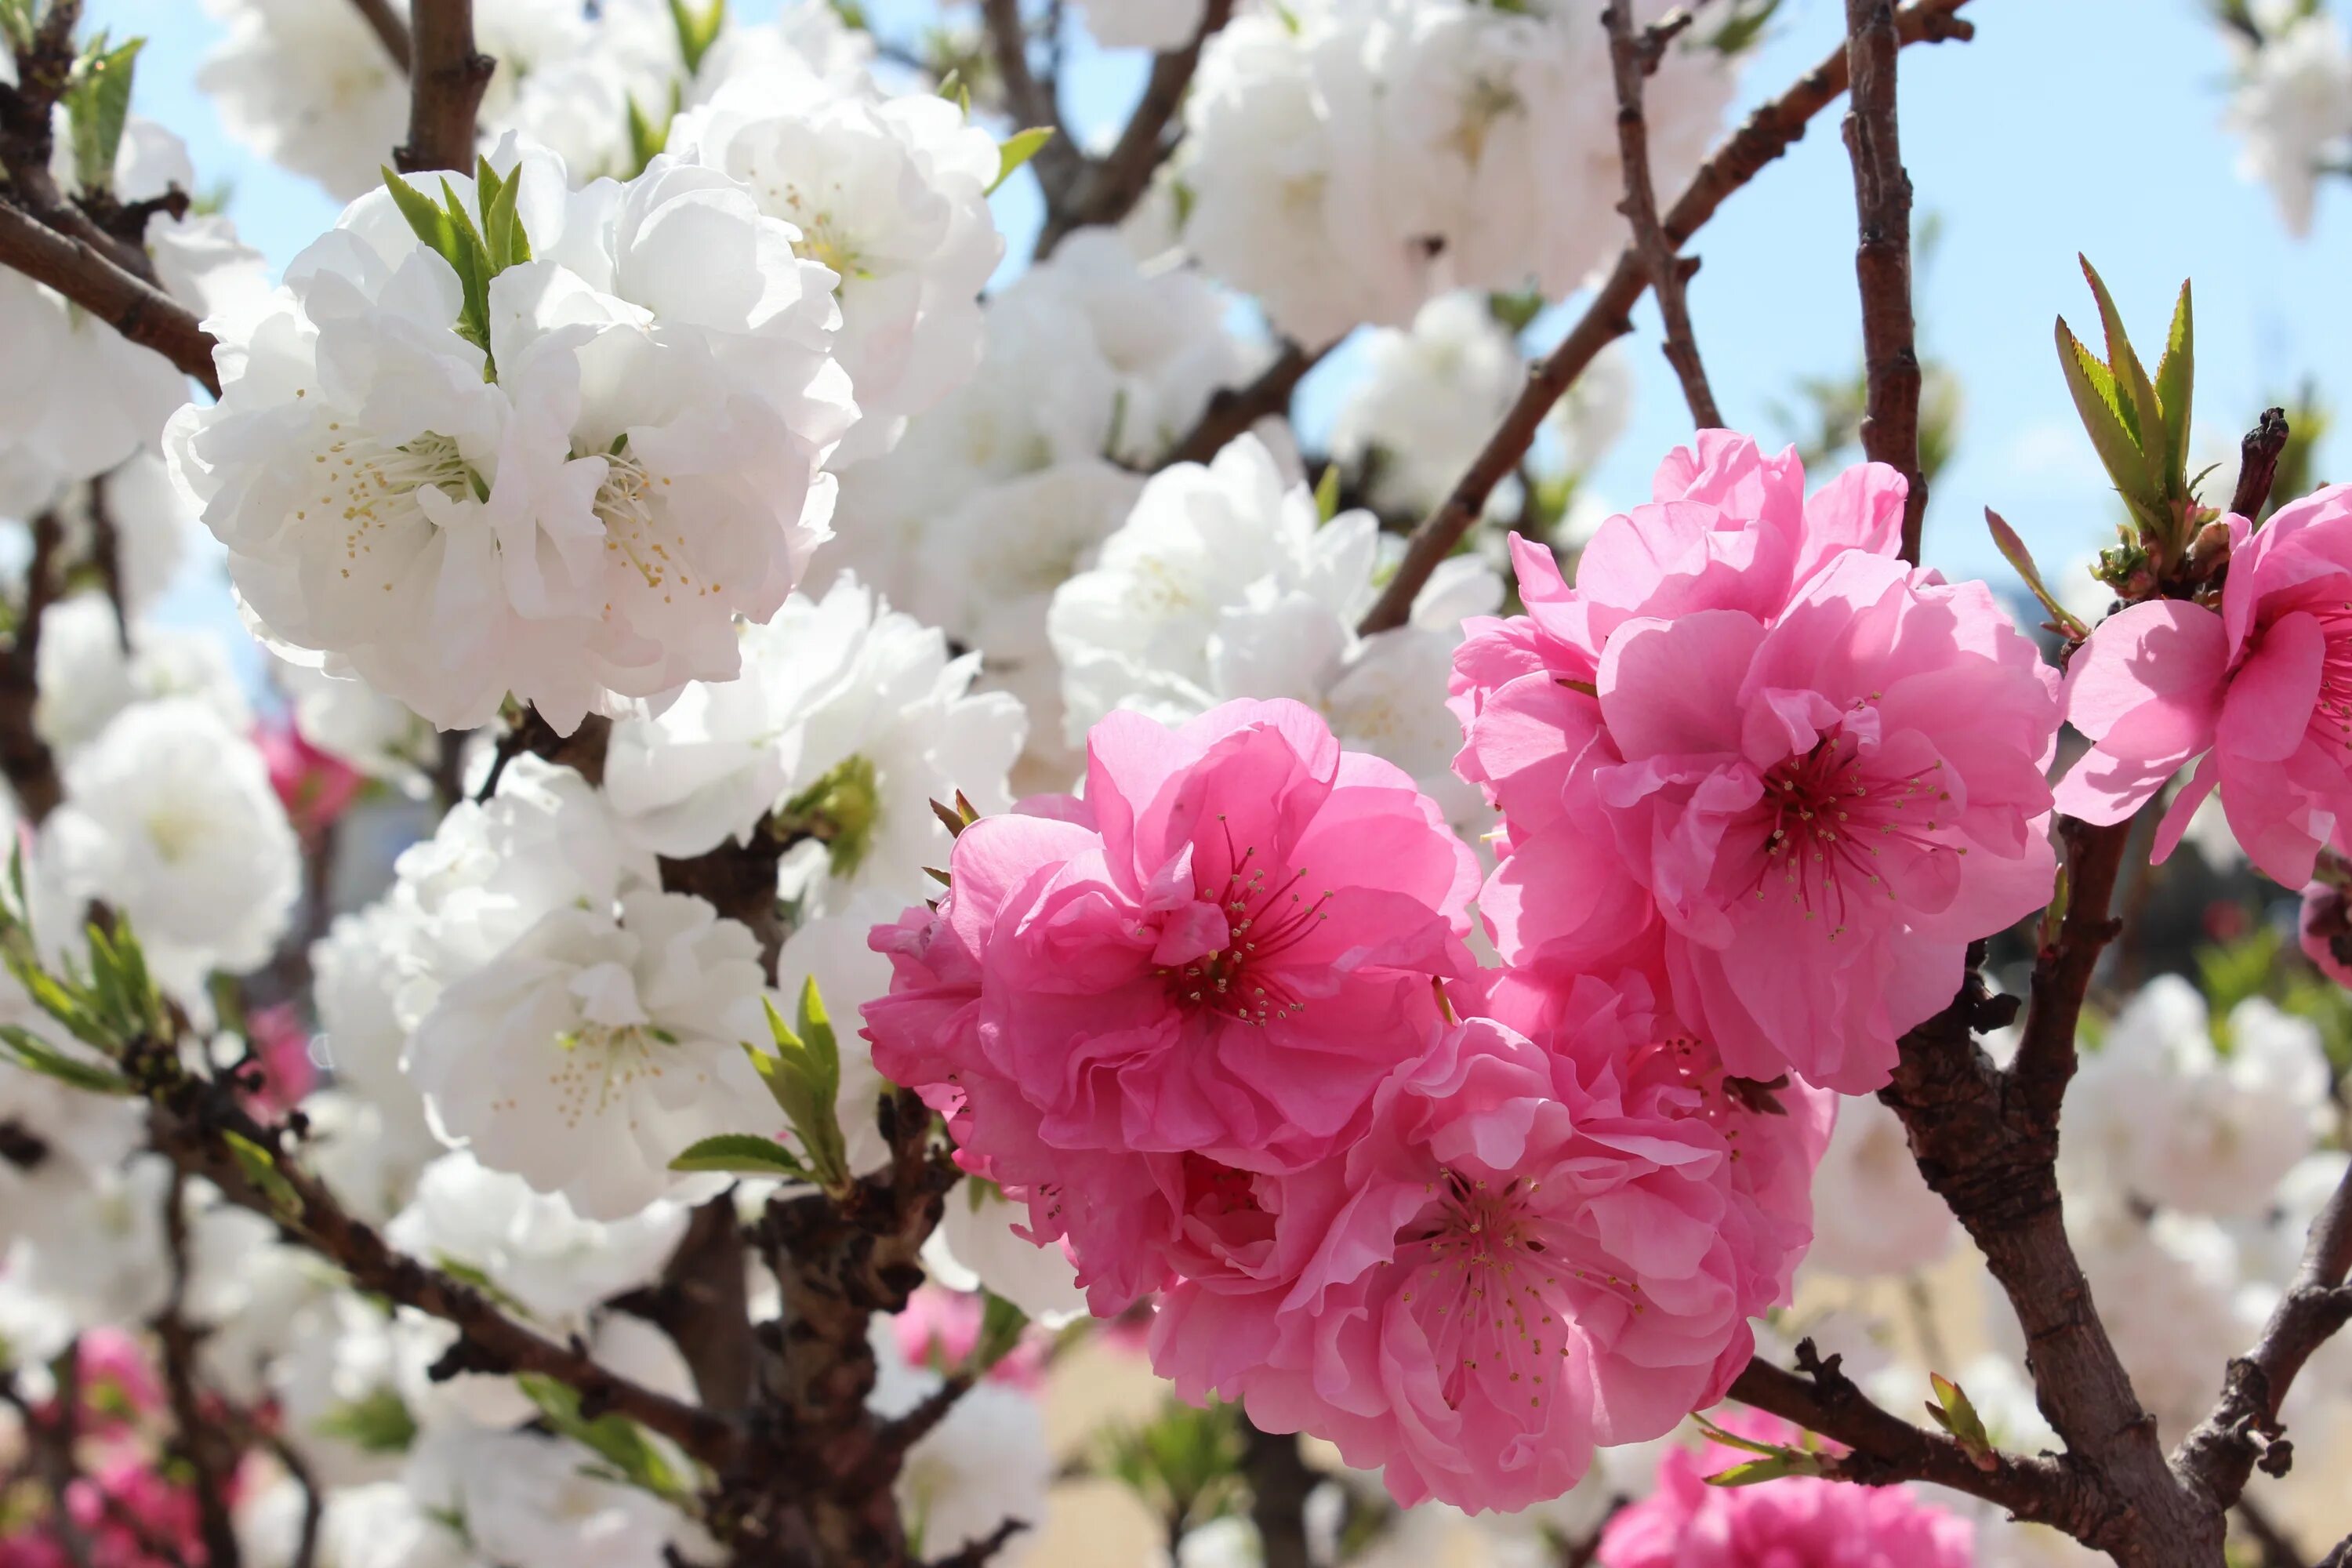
[2088,125]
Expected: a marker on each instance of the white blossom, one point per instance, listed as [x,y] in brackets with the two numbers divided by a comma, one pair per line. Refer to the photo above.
[2291,109]
[1873,1212]
[986,1462]
[534,1248]
[87,673]
[529,1501]
[976,1247]
[578,531]
[170,818]
[1427,401]
[1143,24]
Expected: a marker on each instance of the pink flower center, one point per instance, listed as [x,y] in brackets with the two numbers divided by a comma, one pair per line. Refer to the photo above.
[1825,823]
[1264,919]
[1484,1272]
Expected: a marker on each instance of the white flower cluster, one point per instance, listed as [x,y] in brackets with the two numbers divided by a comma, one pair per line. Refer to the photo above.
[2291,105]
[1346,160]
[563,482]
[1223,582]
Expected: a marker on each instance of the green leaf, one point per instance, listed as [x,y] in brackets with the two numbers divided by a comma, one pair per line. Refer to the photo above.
[262,1170]
[646,138]
[1780,1466]
[1326,493]
[2102,415]
[1730,1439]
[33,1054]
[478,1279]
[803,1077]
[98,102]
[617,1440]
[1952,1412]
[950,85]
[2176,378]
[1515,312]
[1002,1325]
[2134,395]
[697,31]
[2012,550]
[431,224]
[1016,150]
[377,1422]
[742,1154]
[17,23]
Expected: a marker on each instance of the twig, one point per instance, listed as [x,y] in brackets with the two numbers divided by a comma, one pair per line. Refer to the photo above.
[1882,257]
[53,1445]
[106,555]
[2258,460]
[702,1303]
[2277,1551]
[390,28]
[1640,207]
[2045,1059]
[1661,33]
[903,1433]
[134,307]
[197,1440]
[1770,131]
[2339,1555]
[1883,1450]
[1031,103]
[1106,188]
[447,77]
[1231,410]
[977,1554]
[31,768]
[1279,1484]
[2218,1457]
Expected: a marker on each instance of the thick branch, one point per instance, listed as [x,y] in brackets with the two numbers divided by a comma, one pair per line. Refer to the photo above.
[131,306]
[1770,131]
[385,20]
[447,77]
[2220,1454]
[702,1303]
[1626,52]
[2062,970]
[25,757]
[1882,260]
[1883,1450]
[1108,187]
[1231,410]
[1279,1482]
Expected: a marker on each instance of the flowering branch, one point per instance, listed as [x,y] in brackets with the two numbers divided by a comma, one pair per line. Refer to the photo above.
[130,304]
[1882,259]
[1231,410]
[24,758]
[447,78]
[1767,132]
[1105,189]
[1631,59]
[2220,1456]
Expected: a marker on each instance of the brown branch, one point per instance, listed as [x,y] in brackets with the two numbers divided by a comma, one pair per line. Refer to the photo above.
[702,1302]
[1106,188]
[2045,1059]
[289,1458]
[31,768]
[2277,1551]
[447,77]
[2258,460]
[1767,134]
[1882,257]
[2219,1456]
[53,1443]
[134,307]
[978,1554]
[1883,1450]
[191,1120]
[390,28]
[1058,163]
[1279,1482]
[2339,1555]
[1231,410]
[198,1437]
[1659,259]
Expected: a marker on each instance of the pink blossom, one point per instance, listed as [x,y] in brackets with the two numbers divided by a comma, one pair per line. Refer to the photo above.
[315,787]
[1791,800]
[1798,1522]
[2259,695]
[1534,1248]
[282,1046]
[117,1383]
[2327,920]
[1220,952]
[939,1329]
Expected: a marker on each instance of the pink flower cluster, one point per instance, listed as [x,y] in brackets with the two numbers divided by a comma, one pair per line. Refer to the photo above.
[2257,693]
[1753,756]
[1215,1026]
[1795,1523]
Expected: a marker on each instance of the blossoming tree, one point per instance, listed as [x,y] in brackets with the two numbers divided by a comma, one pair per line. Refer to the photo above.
[820,839]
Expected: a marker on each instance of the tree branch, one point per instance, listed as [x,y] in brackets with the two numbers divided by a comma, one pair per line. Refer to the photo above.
[445,80]
[2258,460]
[134,307]
[1627,51]
[1058,163]
[198,1438]
[1770,131]
[31,768]
[1231,410]
[2219,1456]
[1105,189]
[1883,1450]
[1279,1482]
[1882,258]
[2045,1059]
[390,28]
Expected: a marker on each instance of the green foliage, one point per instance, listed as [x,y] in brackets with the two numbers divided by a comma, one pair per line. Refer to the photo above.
[1002,1324]
[17,23]
[476,254]
[376,1423]
[803,1077]
[2260,964]
[1016,150]
[697,30]
[839,809]
[1184,1463]
[1774,1461]
[2139,426]
[2012,550]
[1743,27]
[743,1154]
[98,102]
[1515,312]
[634,1456]
[1326,493]
[648,137]
[1951,1410]
[109,1008]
